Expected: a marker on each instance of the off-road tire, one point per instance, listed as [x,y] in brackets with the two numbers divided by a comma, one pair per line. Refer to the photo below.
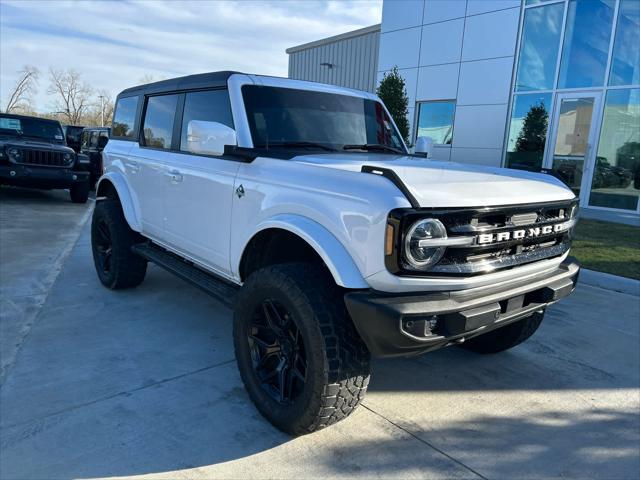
[505,337]
[338,370]
[127,269]
[79,192]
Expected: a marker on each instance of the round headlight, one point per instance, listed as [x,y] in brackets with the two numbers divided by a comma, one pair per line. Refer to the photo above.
[418,254]
[14,153]
[67,157]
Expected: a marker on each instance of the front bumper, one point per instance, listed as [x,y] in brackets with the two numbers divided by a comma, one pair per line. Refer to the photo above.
[410,324]
[40,177]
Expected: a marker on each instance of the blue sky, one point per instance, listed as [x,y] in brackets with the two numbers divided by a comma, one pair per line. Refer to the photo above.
[114,44]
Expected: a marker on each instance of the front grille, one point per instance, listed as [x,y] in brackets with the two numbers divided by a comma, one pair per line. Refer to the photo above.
[43,158]
[497,238]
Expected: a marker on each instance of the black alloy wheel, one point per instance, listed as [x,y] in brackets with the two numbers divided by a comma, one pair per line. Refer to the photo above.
[277,352]
[103,247]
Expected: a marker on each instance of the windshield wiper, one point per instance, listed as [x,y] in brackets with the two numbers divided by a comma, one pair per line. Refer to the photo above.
[298,144]
[374,146]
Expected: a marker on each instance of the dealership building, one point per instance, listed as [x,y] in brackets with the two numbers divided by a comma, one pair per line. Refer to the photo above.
[541,85]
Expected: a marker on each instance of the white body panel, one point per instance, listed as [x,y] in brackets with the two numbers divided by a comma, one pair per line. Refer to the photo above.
[323,198]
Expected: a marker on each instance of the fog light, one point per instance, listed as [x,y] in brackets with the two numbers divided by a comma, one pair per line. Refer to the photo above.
[421,326]
[74,177]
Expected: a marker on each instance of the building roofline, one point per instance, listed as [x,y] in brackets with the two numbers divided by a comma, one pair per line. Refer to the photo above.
[336,38]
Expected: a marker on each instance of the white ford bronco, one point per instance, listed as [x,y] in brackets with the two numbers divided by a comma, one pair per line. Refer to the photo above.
[300,205]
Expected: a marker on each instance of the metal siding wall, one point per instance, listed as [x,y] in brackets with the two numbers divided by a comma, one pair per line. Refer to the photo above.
[355,62]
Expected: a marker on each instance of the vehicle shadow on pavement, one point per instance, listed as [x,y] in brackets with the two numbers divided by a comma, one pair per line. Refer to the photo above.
[596,444]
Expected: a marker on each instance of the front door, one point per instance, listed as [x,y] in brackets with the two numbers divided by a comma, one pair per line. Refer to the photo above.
[198,200]
[573,130]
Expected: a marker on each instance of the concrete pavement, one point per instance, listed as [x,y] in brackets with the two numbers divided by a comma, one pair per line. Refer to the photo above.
[143,383]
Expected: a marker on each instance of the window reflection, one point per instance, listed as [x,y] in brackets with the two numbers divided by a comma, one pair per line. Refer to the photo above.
[539,49]
[435,120]
[528,131]
[616,178]
[625,64]
[586,43]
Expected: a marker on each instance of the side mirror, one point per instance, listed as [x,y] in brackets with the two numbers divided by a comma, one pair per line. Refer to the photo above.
[102,142]
[209,138]
[424,146]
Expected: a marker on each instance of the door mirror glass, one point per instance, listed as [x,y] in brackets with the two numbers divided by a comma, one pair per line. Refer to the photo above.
[209,138]
[424,146]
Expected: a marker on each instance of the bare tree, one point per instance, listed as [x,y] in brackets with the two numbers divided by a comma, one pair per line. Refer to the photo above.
[101,109]
[25,87]
[72,94]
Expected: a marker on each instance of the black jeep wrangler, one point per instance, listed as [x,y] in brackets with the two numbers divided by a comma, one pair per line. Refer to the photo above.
[73,136]
[33,154]
[93,141]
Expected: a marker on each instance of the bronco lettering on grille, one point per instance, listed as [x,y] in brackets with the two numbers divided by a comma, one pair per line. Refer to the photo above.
[532,232]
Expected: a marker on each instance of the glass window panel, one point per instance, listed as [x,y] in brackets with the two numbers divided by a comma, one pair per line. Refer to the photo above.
[625,64]
[539,47]
[528,131]
[574,123]
[616,178]
[586,43]
[125,117]
[435,120]
[158,121]
[210,106]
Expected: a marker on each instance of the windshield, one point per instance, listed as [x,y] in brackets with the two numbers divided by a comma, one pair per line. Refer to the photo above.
[31,127]
[286,117]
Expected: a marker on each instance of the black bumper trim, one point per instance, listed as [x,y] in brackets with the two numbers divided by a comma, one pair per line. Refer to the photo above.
[410,324]
[41,177]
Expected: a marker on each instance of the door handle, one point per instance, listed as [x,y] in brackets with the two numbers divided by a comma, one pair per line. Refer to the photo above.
[134,167]
[174,175]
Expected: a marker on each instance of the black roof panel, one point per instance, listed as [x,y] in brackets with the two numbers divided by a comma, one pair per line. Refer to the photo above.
[200,80]
[15,115]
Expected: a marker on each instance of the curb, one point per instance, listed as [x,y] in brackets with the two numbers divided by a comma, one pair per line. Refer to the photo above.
[609,282]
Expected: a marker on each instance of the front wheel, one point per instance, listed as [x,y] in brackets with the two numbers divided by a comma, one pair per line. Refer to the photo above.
[111,241]
[79,192]
[505,337]
[299,355]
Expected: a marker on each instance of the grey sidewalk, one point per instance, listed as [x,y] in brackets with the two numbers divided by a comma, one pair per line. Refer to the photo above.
[143,382]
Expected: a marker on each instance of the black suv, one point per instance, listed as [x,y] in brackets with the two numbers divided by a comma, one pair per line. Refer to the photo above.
[33,153]
[93,141]
[73,135]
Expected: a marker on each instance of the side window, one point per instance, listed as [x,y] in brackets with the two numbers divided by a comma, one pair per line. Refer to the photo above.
[124,118]
[85,139]
[158,121]
[435,120]
[94,139]
[210,106]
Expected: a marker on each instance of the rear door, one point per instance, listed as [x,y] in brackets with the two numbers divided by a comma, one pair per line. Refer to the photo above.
[148,163]
[199,191]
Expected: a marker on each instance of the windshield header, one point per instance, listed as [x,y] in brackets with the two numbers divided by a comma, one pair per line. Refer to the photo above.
[291,118]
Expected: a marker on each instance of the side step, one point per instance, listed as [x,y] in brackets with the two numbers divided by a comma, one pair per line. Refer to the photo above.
[222,290]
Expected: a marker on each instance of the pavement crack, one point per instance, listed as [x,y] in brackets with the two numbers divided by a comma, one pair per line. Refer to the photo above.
[422,440]
[119,394]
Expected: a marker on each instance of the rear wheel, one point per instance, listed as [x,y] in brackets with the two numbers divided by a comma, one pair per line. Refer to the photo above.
[505,337]
[299,355]
[111,241]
